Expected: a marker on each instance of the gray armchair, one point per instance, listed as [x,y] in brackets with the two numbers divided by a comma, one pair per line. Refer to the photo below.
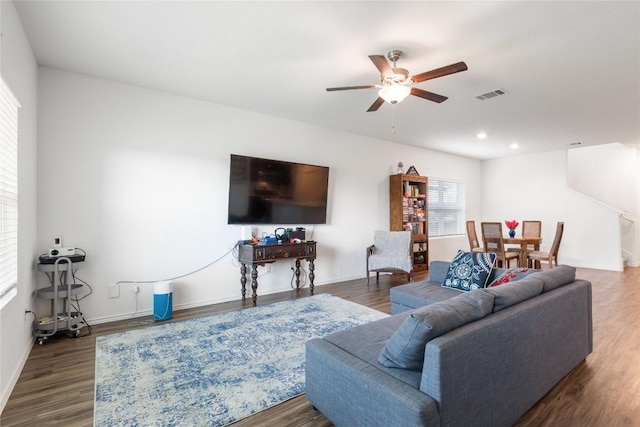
[390,252]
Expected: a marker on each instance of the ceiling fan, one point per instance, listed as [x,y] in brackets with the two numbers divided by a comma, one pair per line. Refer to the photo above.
[395,83]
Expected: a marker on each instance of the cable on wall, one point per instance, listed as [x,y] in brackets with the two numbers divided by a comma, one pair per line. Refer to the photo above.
[182,275]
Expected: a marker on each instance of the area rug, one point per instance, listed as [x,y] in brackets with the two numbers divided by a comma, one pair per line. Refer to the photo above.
[214,370]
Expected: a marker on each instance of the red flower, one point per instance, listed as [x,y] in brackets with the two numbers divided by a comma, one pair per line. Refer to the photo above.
[512,225]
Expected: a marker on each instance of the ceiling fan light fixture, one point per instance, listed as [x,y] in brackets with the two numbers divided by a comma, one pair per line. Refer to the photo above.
[394,93]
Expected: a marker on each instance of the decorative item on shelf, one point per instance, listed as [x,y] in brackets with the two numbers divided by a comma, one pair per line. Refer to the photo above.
[512,225]
[399,170]
[412,171]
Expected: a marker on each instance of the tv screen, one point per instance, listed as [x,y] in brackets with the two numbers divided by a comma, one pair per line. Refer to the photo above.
[263,191]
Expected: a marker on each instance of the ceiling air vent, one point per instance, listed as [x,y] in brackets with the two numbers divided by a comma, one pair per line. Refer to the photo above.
[491,94]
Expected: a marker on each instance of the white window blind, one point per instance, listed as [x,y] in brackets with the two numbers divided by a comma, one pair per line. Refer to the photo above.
[446,207]
[8,194]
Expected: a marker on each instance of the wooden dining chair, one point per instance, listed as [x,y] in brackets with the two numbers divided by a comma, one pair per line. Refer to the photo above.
[493,242]
[552,255]
[529,229]
[474,246]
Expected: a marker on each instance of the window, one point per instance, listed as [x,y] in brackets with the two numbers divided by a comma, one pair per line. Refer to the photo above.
[446,207]
[8,194]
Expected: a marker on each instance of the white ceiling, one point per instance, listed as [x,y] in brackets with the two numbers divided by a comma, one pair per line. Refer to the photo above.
[571,69]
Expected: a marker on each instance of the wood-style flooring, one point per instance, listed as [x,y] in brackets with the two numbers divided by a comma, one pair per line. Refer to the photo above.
[57,383]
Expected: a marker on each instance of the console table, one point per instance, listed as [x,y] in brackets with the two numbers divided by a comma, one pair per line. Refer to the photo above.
[266,253]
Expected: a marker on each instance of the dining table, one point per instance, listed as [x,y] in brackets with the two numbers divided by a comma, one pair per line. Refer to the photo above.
[524,243]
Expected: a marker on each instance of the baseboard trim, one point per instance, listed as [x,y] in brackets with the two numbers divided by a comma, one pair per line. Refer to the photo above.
[130,316]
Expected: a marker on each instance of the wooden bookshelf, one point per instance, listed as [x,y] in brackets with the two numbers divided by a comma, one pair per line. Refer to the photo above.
[408,211]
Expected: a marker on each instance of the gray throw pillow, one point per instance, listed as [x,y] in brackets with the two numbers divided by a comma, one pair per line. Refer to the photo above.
[405,348]
[556,277]
[469,270]
[512,293]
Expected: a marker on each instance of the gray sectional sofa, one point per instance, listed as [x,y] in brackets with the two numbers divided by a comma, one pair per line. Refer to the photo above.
[478,358]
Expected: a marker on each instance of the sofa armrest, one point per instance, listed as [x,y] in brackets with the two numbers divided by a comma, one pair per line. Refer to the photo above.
[351,392]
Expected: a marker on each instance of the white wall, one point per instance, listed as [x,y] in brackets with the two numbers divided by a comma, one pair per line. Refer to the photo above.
[534,187]
[609,174]
[139,179]
[20,71]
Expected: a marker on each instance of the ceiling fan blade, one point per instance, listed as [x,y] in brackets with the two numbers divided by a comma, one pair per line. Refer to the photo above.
[381,64]
[374,107]
[428,95]
[439,72]
[331,89]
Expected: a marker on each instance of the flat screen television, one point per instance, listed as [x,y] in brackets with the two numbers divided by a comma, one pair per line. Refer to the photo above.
[264,191]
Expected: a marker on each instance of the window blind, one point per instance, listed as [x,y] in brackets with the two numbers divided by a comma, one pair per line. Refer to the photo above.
[446,207]
[8,194]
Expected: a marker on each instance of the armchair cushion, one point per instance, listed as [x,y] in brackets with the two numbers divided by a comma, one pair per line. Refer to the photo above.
[391,251]
[469,270]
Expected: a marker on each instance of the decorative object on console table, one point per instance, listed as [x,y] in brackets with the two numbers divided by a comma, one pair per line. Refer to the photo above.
[512,225]
[408,211]
[262,254]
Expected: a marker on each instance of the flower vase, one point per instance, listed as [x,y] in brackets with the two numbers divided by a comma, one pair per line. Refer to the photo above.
[512,233]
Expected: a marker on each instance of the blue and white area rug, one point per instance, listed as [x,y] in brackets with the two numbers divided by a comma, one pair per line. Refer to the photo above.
[214,370]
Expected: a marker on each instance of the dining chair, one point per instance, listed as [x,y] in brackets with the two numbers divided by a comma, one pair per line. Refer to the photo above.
[493,242]
[552,255]
[390,252]
[474,246]
[529,229]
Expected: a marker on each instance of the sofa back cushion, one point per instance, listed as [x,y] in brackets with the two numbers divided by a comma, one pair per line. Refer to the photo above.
[405,348]
[510,275]
[556,277]
[512,293]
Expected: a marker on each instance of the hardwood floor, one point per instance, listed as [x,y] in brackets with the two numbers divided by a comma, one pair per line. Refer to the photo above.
[56,385]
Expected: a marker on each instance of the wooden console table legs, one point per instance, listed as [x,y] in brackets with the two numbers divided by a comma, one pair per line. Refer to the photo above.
[254,282]
[254,279]
[311,275]
[243,280]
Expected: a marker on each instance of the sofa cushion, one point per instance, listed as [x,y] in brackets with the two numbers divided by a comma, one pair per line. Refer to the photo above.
[405,348]
[366,341]
[556,277]
[512,293]
[469,270]
[511,275]
[419,294]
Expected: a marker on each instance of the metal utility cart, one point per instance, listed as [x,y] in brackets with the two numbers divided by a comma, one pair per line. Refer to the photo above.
[61,317]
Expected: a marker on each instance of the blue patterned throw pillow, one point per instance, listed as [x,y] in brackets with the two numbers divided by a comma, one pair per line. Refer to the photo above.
[469,270]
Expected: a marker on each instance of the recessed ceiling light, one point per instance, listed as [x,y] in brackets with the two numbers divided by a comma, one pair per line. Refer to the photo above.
[481,135]
[514,145]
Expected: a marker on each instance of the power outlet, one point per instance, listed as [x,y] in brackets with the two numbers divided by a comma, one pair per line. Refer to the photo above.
[114,290]
[136,289]
[268,267]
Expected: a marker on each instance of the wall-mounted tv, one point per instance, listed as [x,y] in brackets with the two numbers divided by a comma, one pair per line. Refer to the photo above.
[263,191]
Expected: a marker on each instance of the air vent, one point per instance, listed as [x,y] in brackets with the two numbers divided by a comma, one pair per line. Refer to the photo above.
[491,94]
